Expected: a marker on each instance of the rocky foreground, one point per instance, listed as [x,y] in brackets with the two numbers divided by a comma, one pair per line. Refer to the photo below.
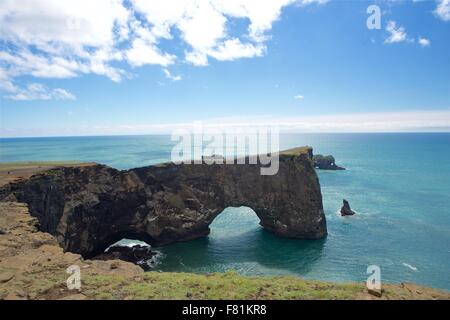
[33,266]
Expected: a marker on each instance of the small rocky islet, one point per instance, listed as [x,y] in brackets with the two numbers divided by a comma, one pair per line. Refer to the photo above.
[325,162]
[346,210]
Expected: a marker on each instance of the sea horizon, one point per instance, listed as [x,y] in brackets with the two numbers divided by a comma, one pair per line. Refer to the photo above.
[281,133]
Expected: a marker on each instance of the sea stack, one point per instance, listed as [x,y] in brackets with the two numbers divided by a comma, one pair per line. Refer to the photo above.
[346,210]
[325,163]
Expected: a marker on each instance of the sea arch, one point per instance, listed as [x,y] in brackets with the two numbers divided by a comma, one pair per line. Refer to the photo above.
[88,208]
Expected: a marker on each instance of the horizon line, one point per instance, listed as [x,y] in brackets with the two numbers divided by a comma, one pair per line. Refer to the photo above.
[168,134]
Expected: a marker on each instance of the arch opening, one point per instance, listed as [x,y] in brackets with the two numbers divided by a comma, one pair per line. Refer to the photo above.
[238,242]
[234,221]
[130,247]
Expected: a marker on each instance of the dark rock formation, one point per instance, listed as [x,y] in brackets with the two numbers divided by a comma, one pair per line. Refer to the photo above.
[141,255]
[88,208]
[346,210]
[325,163]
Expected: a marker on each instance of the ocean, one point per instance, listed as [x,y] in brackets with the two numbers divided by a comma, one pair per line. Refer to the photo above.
[398,183]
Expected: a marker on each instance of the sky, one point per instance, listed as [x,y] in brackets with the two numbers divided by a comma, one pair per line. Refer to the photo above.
[109,67]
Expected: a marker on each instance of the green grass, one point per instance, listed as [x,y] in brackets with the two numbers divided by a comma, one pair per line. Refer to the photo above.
[33,164]
[216,286]
[229,285]
[41,163]
[295,151]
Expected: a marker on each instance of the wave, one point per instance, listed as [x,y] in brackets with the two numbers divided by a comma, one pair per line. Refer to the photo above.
[409,266]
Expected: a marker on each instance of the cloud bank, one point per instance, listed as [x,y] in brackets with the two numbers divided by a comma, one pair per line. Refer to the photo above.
[418,121]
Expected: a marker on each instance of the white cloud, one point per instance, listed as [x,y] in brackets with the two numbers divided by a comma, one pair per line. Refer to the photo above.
[69,23]
[60,39]
[261,13]
[234,49]
[197,58]
[62,94]
[299,97]
[170,76]
[146,53]
[395,34]
[424,42]
[443,10]
[68,37]
[64,39]
[202,25]
[37,91]
[398,34]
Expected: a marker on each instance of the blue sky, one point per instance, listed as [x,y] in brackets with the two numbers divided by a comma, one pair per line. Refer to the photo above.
[315,63]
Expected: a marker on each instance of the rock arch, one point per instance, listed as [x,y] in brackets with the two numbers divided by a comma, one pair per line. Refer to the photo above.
[88,208]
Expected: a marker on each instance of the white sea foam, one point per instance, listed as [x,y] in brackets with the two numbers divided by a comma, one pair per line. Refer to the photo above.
[132,244]
[155,260]
[409,266]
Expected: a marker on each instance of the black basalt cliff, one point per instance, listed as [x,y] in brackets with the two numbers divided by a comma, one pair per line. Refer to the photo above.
[89,208]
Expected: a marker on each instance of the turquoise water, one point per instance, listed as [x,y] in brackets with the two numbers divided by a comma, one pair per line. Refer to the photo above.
[399,185]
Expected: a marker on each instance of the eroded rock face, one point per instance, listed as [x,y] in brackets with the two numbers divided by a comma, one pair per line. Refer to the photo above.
[141,255]
[88,208]
[325,162]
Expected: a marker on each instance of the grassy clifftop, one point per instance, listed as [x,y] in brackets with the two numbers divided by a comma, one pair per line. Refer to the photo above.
[230,285]
[13,171]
